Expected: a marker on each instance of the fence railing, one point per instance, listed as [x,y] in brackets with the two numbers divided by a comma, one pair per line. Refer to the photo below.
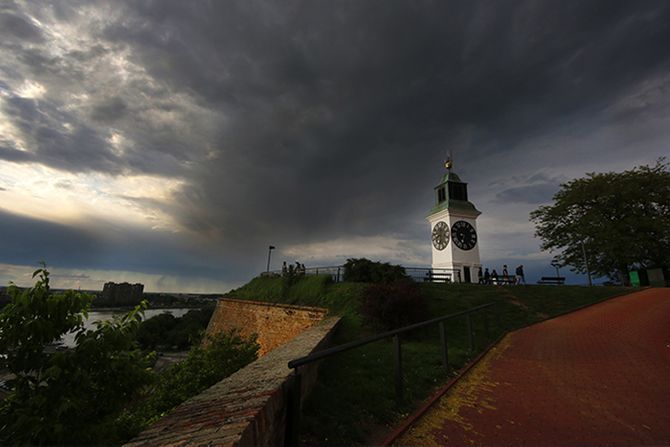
[418,274]
[429,274]
[293,416]
[336,272]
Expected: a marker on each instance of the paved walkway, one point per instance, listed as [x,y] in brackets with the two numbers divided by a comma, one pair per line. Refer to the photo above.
[599,376]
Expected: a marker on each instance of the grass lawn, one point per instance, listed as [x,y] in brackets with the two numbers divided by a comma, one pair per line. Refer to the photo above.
[354,399]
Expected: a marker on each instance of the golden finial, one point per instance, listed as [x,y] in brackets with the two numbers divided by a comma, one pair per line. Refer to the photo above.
[448,163]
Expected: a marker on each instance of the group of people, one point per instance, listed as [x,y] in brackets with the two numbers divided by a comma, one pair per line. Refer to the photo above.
[291,270]
[504,278]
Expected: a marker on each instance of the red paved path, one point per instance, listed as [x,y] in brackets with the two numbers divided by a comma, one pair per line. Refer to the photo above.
[599,376]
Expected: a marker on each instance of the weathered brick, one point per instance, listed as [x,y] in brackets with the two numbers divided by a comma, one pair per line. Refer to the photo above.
[247,408]
[274,324]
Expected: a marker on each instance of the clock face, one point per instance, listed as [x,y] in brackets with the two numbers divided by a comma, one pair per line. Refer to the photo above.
[464,235]
[440,235]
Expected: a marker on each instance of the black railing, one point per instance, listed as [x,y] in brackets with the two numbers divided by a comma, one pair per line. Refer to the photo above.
[336,272]
[293,416]
[428,274]
[418,274]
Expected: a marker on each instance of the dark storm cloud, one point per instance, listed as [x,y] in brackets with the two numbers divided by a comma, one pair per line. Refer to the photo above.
[103,246]
[533,194]
[335,112]
[534,189]
[300,122]
[10,154]
[43,125]
[19,28]
[70,276]
[109,110]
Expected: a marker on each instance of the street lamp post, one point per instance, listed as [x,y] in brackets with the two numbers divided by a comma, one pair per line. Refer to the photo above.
[555,265]
[586,264]
[270,248]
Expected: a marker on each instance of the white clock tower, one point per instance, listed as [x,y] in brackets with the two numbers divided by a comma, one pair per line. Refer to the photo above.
[453,225]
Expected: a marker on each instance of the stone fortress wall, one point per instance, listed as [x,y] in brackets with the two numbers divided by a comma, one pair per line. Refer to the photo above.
[250,407]
[273,324]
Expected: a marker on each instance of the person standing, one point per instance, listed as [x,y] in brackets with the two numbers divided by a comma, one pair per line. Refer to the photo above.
[505,274]
[487,276]
[520,278]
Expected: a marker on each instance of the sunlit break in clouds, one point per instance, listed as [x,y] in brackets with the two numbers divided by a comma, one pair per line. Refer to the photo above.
[171,142]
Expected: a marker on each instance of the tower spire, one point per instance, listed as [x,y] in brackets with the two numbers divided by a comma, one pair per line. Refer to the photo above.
[448,163]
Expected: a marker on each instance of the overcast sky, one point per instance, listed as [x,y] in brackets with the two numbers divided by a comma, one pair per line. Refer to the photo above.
[170,142]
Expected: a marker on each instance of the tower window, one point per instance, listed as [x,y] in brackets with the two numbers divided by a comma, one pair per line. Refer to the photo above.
[441,195]
[458,191]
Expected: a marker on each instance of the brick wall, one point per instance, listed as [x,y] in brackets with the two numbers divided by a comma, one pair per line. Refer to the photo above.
[246,409]
[274,324]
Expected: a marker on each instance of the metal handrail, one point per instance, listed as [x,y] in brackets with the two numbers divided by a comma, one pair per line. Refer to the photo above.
[414,273]
[354,344]
[294,397]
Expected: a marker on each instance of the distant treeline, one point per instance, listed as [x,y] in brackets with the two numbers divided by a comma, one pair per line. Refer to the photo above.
[156,300]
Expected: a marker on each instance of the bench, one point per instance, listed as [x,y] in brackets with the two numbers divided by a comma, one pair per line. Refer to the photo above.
[503,280]
[437,277]
[554,280]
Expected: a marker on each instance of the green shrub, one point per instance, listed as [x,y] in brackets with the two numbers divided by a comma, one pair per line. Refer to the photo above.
[364,270]
[387,306]
[65,397]
[206,365]
[167,332]
[152,331]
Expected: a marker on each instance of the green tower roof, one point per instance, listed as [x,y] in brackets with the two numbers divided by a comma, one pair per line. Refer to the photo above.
[452,194]
[450,177]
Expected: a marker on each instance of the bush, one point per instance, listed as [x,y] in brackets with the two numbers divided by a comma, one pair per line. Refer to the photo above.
[223,354]
[167,332]
[153,330]
[65,397]
[102,391]
[393,305]
[364,270]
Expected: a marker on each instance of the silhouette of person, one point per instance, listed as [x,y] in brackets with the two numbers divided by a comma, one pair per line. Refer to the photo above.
[520,277]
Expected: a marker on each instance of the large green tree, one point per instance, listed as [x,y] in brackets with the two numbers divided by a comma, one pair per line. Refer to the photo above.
[620,220]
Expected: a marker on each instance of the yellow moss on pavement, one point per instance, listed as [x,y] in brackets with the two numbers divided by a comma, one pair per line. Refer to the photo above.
[471,391]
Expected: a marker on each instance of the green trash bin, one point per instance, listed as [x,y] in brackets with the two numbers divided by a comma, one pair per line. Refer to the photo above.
[634,279]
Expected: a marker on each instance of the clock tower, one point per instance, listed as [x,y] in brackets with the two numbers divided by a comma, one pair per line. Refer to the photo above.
[453,225]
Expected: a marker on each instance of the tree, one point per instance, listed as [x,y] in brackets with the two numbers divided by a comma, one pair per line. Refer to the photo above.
[205,365]
[391,305]
[102,391]
[620,220]
[72,396]
[364,270]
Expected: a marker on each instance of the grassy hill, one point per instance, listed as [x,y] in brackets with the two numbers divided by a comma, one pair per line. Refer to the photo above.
[353,400]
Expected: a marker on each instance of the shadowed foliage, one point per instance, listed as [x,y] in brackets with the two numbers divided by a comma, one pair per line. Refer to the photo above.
[617,220]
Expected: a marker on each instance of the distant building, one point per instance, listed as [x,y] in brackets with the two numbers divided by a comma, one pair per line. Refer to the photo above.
[122,294]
